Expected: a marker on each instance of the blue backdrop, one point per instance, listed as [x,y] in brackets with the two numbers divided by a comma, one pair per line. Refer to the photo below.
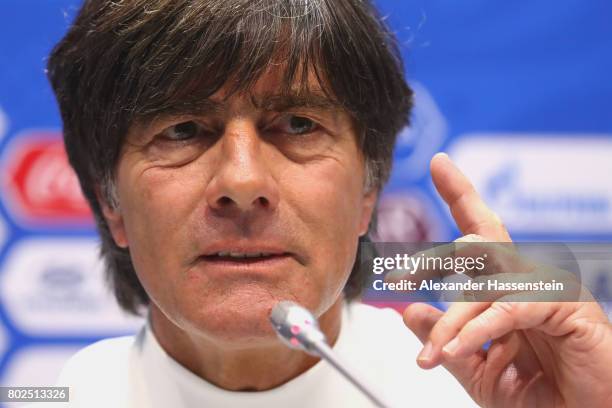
[519,93]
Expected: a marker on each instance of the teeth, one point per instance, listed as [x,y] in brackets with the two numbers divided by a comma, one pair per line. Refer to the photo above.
[223,254]
[237,255]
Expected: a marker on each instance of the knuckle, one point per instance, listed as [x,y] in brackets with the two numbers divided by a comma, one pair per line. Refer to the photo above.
[504,308]
[480,322]
[443,329]
[413,314]
[510,312]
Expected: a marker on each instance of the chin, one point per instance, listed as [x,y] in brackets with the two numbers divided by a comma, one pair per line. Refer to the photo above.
[238,318]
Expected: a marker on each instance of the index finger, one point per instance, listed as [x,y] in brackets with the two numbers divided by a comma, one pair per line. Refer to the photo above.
[467,208]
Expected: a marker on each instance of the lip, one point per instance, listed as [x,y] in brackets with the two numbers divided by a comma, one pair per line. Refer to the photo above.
[268,265]
[244,248]
[278,257]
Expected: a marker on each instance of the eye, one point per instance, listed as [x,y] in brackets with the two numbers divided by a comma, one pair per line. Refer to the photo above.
[295,125]
[183,131]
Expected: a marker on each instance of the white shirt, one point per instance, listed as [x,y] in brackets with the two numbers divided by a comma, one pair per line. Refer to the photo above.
[134,371]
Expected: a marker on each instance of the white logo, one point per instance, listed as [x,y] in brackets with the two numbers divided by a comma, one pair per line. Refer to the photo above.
[56,288]
[542,183]
[419,141]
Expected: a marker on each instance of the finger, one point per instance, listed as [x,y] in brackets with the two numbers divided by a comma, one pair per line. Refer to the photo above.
[421,319]
[500,357]
[446,328]
[467,208]
[501,318]
[500,257]
[527,286]
[509,359]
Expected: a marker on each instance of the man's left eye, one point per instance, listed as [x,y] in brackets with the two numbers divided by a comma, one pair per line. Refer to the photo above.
[183,131]
[296,125]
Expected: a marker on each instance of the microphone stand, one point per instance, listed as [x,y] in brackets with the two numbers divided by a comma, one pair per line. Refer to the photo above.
[298,329]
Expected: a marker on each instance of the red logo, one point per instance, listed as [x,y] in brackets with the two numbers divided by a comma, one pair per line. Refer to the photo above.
[43,187]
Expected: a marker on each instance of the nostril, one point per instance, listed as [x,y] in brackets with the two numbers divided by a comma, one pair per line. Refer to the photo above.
[224,201]
[264,202]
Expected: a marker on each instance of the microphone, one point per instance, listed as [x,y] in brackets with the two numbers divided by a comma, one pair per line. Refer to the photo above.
[298,329]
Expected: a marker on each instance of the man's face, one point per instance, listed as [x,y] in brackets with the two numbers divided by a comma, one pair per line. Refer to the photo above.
[255,199]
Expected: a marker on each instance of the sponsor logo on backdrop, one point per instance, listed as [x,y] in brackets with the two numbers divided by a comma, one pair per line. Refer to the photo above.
[40,186]
[405,217]
[417,143]
[37,365]
[542,183]
[55,287]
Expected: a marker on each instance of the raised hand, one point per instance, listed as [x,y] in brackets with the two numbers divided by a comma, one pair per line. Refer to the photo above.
[542,354]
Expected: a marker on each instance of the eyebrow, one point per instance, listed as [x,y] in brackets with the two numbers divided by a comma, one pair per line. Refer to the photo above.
[266,102]
[282,102]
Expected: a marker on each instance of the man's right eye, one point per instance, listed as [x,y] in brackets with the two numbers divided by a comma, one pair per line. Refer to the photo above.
[183,131]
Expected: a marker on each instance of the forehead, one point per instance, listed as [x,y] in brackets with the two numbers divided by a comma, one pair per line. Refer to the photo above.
[271,91]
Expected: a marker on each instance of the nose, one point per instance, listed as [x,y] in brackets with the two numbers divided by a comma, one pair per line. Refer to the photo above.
[242,180]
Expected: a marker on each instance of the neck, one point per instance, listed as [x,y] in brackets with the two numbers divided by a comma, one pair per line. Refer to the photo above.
[255,367]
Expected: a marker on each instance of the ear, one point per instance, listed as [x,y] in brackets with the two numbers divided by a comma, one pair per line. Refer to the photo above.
[114,220]
[367,208]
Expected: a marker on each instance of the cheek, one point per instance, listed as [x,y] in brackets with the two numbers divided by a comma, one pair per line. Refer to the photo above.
[156,206]
[328,202]
[337,194]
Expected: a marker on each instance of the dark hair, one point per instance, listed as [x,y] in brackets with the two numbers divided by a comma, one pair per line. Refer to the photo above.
[124,61]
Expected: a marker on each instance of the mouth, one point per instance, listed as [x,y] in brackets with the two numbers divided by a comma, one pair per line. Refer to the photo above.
[244,258]
[240,257]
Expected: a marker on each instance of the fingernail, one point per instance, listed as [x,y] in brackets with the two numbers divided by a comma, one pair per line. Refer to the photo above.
[442,154]
[452,347]
[427,353]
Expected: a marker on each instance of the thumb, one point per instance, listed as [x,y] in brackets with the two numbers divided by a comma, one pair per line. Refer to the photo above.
[420,318]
